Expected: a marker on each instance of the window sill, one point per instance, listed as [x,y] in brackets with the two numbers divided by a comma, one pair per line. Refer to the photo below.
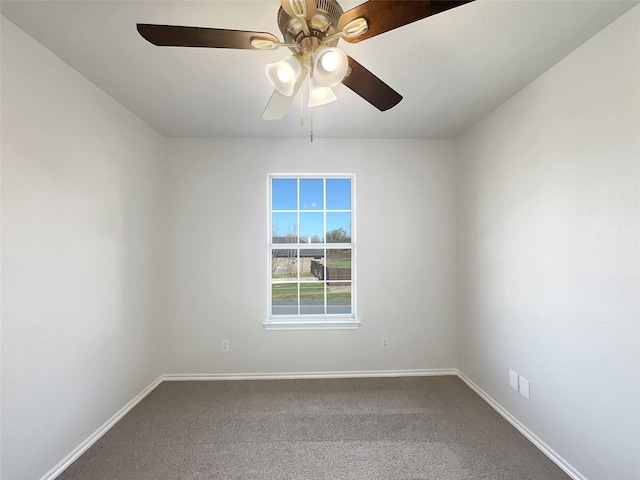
[301,324]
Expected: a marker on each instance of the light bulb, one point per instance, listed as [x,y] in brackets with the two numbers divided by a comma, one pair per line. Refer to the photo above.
[282,75]
[329,61]
[330,65]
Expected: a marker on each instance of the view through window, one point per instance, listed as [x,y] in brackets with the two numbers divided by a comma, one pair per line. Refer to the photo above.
[312,248]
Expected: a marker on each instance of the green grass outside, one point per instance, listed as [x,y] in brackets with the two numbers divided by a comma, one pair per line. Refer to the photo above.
[339,263]
[308,292]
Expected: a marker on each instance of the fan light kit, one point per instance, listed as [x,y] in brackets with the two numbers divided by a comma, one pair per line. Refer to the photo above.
[283,75]
[311,30]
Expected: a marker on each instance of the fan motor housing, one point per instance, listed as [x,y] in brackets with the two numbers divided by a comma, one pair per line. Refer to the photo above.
[323,23]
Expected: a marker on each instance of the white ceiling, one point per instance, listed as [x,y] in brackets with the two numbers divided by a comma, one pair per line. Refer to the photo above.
[452,68]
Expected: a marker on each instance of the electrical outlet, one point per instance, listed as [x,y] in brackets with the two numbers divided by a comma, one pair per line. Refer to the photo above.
[513,380]
[225,345]
[385,343]
[523,387]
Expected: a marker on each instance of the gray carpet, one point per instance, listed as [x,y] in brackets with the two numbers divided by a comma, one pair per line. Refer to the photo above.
[356,429]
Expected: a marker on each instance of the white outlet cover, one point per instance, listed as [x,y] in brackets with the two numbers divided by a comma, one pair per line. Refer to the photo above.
[524,387]
[513,380]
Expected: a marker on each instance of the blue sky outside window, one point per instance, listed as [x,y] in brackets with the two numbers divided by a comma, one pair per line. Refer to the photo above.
[311,227]
[284,194]
[311,194]
[284,224]
[338,194]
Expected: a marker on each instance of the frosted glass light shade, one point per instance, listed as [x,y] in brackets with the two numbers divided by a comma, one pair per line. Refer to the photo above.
[319,95]
[330,65]
[282,75]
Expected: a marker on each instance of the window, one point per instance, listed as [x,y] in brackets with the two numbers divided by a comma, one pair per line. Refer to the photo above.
[312,253]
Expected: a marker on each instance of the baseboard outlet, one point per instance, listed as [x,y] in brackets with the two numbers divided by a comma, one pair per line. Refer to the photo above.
[306,375]
[532,437]
[95,436]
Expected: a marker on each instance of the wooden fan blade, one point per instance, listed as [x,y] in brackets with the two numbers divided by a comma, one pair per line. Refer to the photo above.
[385,15]
[311,8]
[370,87]
[176,36]
[279,104]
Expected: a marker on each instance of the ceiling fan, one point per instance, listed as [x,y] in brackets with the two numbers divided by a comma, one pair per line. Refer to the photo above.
[311,30]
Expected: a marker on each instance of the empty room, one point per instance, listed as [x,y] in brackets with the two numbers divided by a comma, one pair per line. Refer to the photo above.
[320,239]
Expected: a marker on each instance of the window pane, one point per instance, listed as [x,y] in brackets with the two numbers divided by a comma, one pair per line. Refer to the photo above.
[312,298]
[338,227]
[338,194]
[338,265]
[311,264]
[338,298]
[284,194]
[284,264]
[311,194]
[284,299]
[311,227]
[284,227]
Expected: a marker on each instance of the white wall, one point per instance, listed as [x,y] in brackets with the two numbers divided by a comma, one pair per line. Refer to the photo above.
[82,182]
[548,254]
[217,248]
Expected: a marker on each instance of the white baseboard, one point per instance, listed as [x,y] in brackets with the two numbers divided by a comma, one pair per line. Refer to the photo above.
[532,437]
[307,375]
[95,436]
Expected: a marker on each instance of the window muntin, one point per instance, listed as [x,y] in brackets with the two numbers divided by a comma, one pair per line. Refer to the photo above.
[312,251]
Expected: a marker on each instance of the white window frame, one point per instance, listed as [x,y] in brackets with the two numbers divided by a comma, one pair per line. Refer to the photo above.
[319,321]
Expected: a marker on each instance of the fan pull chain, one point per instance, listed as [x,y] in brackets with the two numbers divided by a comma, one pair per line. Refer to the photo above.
[310,110]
